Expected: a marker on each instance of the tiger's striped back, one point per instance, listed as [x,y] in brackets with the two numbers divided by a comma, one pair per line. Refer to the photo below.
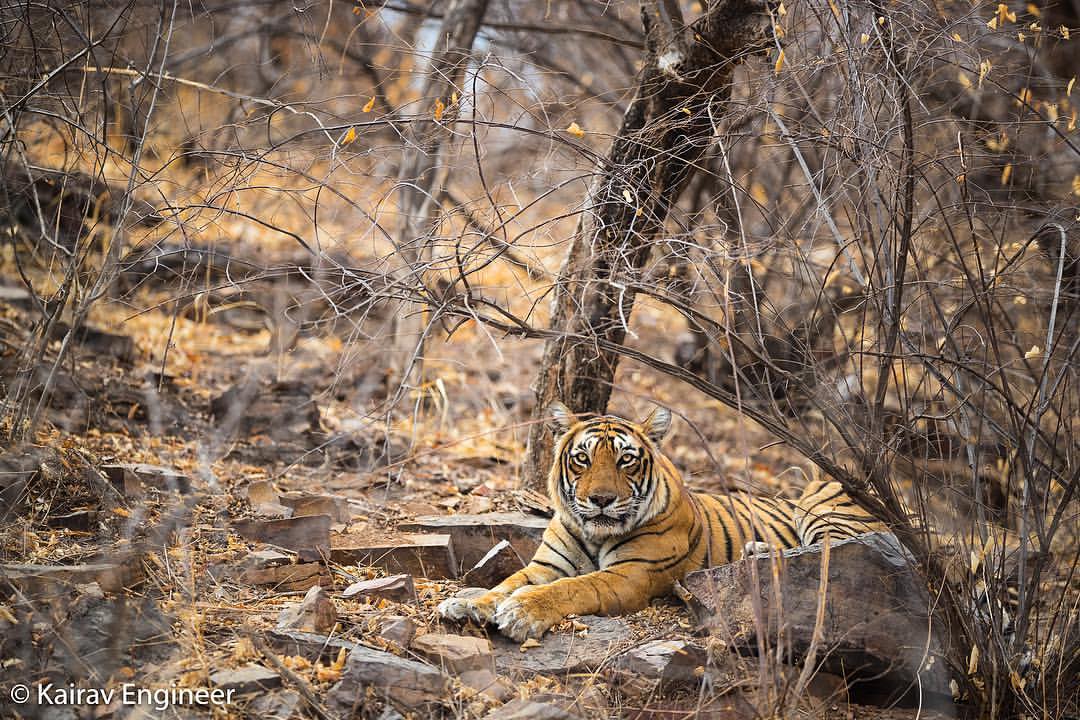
[736,520]
[824,509]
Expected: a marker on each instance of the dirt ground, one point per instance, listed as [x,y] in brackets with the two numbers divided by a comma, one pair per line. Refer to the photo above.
[305,423]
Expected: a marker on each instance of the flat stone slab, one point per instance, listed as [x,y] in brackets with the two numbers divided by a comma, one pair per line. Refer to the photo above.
[286,578]
[562,652]
[455,653]
[876,631]
[396,588]
[308,645]
[248,679]
[307,535]
[428,556]
[474,535]
[408,684]
[529,710]
[133,479]
[45,580]
[305,503]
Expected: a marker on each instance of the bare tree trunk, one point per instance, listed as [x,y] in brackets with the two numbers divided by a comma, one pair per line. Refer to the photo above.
[682,89]
[419,179]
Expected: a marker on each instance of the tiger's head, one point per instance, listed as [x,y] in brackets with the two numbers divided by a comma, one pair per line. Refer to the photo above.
[607,470]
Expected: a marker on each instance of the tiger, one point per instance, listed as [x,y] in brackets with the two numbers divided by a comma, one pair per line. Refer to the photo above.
[626,528]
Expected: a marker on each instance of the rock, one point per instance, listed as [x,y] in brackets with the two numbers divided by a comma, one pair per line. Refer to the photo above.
[529,710]
[91,630]
[397,588]
[428,556]
[303,503]
[54,580]
[81,520]
[279,410]
[133,479]
[262,559]
[288,578]
[475,535]
[315,613]
[561,653]
[264,501]
[272,511]
[487,682]
[586,700]
[492,569]
[282,705]
[397,629]
[248,679]
[308,645]
[875,630]
[261,492]
[455,653]
[307,535]
[670,661]
[410,685]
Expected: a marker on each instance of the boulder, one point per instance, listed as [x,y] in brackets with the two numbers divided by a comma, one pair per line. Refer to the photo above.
[410,685]
[876,633]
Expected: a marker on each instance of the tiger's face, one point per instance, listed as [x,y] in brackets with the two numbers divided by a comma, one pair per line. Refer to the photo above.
[606,470]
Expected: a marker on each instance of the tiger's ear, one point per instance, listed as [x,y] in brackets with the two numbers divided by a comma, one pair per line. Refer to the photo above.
[657,425]
[559,419]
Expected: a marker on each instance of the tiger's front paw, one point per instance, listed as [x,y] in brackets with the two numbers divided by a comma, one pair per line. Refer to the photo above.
[479,609]
[526,614]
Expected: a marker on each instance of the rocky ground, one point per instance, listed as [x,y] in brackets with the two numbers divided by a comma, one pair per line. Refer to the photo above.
[225,516]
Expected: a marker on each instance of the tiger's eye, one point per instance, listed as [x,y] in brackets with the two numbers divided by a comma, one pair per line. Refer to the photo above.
[581,458]
[628,459]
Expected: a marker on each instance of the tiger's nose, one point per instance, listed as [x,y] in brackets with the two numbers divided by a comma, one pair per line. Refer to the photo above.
[601,501]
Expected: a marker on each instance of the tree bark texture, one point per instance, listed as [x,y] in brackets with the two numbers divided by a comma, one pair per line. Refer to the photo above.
[683,87]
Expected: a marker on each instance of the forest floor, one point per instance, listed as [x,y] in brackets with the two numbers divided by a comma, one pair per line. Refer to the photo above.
[237,422]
